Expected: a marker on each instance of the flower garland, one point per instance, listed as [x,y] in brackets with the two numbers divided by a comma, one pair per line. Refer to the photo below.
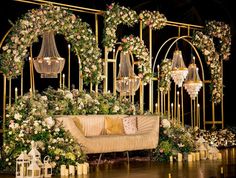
[153,19]
[165,75]
[206,45]
[221,31]
[137,47]
[34,23]
[113,16]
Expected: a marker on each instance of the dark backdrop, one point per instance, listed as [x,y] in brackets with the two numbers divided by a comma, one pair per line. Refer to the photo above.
[186,11]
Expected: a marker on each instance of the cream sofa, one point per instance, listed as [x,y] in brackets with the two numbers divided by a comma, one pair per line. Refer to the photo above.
[146,137]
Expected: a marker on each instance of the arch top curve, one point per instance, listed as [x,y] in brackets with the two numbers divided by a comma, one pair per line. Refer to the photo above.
[27,29]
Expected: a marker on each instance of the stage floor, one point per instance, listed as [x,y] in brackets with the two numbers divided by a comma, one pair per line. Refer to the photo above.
[147,169]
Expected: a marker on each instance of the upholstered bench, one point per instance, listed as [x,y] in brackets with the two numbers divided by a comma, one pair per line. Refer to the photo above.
[113,133]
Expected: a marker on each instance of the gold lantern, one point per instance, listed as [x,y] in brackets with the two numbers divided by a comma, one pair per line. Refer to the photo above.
[179,70]
[127,82]
[193,83]
[47,167]
[49,63]
[22,163]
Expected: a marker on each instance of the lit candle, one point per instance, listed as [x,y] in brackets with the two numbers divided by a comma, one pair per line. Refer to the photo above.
[63,81]
[66,172]
[219,156]
[172,111]
[16,94]
[62,171]
[79,169]
[85,169]
[71,170]
[210,156]
[193,156]
[171,159]
[156,108]
[190,157]
[180,157]
[198,120]
[169,175]
[197,156]
[178,113]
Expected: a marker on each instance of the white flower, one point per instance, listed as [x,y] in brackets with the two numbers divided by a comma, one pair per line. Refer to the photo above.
[17,116]
[49,121]
[165,123]
[68,95]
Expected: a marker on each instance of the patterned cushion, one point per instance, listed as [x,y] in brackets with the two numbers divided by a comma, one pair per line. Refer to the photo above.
[130,124]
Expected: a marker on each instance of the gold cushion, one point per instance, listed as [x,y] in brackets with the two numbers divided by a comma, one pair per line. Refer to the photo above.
[78,124]
[114,126]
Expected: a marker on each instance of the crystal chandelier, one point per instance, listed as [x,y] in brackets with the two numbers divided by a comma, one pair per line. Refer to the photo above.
[49,63]
[127,82]
[179,70]
[193,83]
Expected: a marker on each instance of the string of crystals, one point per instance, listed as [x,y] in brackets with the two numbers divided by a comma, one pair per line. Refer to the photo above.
[179,70]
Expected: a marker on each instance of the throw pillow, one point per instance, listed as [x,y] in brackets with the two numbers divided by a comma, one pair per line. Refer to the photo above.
[78,124]
[130,124]
[113,125]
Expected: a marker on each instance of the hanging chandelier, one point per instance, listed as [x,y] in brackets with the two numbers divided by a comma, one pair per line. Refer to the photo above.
[127,82]
[49,63]
[179,70]
[193,83]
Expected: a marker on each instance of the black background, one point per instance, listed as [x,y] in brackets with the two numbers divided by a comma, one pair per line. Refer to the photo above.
[187,11]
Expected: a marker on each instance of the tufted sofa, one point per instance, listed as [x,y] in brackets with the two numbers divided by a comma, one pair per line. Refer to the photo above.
[90,135]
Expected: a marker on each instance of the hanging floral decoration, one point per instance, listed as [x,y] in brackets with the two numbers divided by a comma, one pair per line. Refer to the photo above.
[221,31]
[136,46]
[113,16]
[165,75]
[33,24]
[153,19]
[206,45]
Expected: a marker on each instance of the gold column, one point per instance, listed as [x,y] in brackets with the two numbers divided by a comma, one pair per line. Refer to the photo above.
[114,71]
[105,70]
[222,96]
[22,82]
[141,87]
[96,36]
[32,72]
[168,103]
[158,91]
[60,79]
[4,104]
[213,114]
[151,81]
[80,77]
[182,104]
[175,108]
[9,92]
[68,67]
[191,102]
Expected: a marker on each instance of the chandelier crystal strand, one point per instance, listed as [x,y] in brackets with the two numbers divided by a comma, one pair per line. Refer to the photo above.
[193,82]
[127,81]
[49,63]
[179,70]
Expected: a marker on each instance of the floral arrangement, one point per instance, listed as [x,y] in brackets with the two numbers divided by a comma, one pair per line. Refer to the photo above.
[153,19]
[75,102]
[113,16]
[206,45]
[165,75]
[221,31]
[33,24]
[27,121]
[173,139]
[33,119]
[136,46]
